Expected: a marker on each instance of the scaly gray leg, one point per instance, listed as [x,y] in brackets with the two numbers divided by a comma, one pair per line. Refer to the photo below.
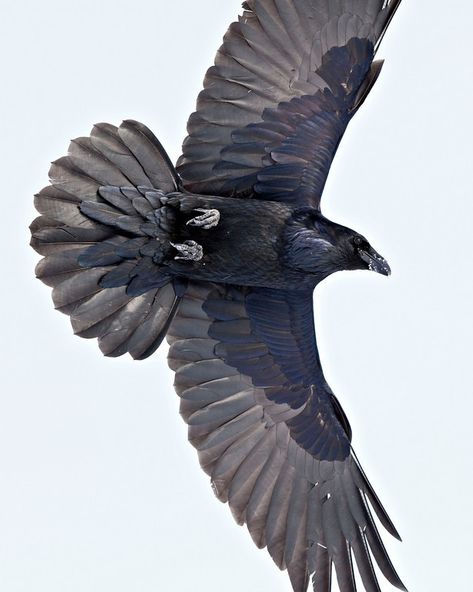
[190,250]
[208,220]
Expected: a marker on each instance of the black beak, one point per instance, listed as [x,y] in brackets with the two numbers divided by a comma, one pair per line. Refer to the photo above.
[375,262]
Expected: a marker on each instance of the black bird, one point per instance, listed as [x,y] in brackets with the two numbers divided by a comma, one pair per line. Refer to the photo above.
[222,255]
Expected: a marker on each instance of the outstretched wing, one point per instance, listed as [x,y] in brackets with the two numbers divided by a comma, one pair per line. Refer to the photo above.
[271,435]
[286,82]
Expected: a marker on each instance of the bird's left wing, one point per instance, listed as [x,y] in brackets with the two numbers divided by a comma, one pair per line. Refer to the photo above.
[271,435]
[286,82]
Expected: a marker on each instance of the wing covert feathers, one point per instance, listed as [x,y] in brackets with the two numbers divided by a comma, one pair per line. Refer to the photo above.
[311,513]
[103,232]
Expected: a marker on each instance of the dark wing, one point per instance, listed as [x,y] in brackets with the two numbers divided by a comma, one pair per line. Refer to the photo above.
[272,436]
[99,232]
[286,82]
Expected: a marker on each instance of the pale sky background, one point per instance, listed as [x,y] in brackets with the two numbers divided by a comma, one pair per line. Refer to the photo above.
[99,489]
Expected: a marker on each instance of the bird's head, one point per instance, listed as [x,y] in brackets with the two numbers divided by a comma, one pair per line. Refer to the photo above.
[319,247]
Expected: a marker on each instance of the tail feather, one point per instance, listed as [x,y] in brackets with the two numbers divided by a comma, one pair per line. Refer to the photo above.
[104,231]
[85,157]
[106,140]
[150,154]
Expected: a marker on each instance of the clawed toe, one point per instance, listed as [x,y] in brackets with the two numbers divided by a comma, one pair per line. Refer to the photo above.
[189,251]
[209,219]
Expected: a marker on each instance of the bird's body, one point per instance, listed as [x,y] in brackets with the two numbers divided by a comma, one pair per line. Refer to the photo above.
[222,255]
[245,248]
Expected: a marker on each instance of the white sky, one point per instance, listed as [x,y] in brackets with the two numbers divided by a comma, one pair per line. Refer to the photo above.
[99,489]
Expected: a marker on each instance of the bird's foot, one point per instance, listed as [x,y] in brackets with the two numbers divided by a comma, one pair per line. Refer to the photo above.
[209,219]
[189,251]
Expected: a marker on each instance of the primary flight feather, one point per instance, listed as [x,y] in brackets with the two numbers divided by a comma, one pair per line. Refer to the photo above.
[222,255]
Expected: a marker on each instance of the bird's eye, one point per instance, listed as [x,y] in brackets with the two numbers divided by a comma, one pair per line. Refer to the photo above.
[358,241]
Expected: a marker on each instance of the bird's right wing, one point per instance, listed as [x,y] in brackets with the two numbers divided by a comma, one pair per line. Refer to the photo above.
[272,436]
[285,84]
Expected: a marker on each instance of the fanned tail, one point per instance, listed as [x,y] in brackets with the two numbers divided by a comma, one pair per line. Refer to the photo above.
[104,230]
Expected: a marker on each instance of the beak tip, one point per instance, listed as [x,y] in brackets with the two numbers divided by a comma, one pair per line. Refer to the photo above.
[383,270]
[375,262]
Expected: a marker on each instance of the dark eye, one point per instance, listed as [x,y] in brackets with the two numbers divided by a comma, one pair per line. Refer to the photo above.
[358,241]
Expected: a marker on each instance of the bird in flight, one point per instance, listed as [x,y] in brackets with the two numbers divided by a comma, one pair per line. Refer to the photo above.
[221,254]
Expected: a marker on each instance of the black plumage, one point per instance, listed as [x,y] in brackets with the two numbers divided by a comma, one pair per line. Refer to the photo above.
[222,255]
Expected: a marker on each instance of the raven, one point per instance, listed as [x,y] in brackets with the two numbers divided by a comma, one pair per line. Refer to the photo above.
[221,254]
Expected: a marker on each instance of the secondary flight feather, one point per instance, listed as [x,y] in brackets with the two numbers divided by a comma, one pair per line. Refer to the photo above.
[222,255]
